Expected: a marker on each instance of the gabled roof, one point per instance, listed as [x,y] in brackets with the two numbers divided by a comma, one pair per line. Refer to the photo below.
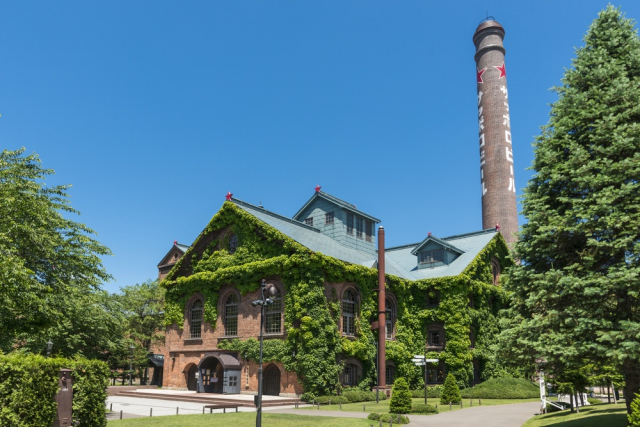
[438,241]
[304,234]
[177,247]
[336,201]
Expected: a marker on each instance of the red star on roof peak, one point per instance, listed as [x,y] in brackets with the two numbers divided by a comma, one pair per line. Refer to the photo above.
[229,196]
[503,71]
[318,188]
[479,74]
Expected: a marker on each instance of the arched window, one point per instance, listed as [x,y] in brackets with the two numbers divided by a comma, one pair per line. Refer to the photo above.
[495,270]
[233,244]
[273,314]
[231,315]
[350,375]
[390,373]
[349,313]
[390,318]
[195,319]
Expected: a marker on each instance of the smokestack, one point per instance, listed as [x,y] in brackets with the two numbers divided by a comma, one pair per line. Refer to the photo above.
[381,310]
[494,127]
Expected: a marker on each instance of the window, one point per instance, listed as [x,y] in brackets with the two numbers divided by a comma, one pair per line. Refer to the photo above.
[433,298]
[233,244]
[359,227]
[472,338]
[390,318]
[350,224]
[328,218]
[195,319]
[350,375]
[348,313]
[273,315]
[368,231]
[435,375]
[389,374]
[231,316]
[435,336]
[495,270]
[431,257]
[309,221]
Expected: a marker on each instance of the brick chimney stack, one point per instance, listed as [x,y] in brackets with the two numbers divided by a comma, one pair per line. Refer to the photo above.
[494,132]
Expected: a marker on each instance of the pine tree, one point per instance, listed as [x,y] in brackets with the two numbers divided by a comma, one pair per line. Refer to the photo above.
[576,290]
[634,416]
[451,391]
[400,397]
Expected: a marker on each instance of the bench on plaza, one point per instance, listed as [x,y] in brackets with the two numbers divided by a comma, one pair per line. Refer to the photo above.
[224,407]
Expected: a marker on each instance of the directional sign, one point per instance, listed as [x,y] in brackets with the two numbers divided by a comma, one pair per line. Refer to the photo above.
[418,356]
[432,360]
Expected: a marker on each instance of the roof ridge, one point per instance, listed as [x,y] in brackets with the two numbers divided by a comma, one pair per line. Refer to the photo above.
[273,214]
[473,233]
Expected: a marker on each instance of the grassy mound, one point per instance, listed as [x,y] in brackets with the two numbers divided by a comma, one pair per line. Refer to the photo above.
[503,388]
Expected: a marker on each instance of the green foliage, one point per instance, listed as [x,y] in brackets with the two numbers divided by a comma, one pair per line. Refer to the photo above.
[28,382]
[45,257]
[576,291]
[331,400]
[386,418]
[503,388]
[593,401]
[400,397]
[311,316]
[432,391]
[354,395]
[143,309]
[634,416]
[421,408]
[450,391]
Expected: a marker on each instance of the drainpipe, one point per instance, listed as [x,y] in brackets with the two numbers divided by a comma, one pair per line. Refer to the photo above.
[381,310]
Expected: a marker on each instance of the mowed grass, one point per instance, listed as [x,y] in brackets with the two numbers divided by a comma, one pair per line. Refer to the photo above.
[240,419]
[383,406]
[602,415]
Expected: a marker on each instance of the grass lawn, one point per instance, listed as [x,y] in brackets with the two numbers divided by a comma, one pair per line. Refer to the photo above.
[383,406]
[241,419]
[603,415]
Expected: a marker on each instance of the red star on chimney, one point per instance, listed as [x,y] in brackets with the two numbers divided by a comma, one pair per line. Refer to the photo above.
[503,71]
[229,196]
[175,242]
[318,188]
[479,74]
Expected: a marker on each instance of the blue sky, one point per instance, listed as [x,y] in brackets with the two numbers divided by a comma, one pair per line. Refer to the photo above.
[152,111]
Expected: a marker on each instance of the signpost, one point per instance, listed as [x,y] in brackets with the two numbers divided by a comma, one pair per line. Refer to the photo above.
[420,360]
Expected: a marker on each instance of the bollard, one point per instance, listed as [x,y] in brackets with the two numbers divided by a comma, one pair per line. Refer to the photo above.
[364,408]
[329,402]
[151,412]
[449,405]
[121,414]
[470,402]
[380,423]
[318,406]
[341,406]
[203,409]
[460,403]
[111,407]
[479,402]
[177,408]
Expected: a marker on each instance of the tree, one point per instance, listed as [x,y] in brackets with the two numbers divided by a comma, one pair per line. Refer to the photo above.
[634,415]
[143,309]
[576,290]
[44,256]
[450,391]
[400,397]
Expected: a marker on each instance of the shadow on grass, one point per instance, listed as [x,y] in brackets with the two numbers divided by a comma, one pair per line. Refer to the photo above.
[613,420]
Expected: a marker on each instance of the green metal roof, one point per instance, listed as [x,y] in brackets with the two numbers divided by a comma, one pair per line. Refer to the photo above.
[336,201]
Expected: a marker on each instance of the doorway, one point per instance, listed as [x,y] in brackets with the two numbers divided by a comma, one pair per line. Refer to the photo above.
[192,383]
[271,384]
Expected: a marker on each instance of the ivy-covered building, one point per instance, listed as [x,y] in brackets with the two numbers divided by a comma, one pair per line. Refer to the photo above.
[442,300]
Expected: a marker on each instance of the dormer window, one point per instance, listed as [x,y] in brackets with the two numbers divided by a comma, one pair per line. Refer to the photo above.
[309,221]
[350,223]
[328,218]
[431,257]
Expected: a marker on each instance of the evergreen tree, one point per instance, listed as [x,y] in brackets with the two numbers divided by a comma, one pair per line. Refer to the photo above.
[576,290]
[400,397]
[451,391]
[634,416]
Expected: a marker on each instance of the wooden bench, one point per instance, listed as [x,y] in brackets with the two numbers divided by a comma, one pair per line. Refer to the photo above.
[219,406]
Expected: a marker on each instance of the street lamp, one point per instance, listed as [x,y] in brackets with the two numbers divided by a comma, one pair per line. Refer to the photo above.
[132,347]
[263,302]
[420,360]
[49,347]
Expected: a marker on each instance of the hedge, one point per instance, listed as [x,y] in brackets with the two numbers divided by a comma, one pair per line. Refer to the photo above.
[432,391]
[355,395]
[421,408]
[388,418]
[29,383]
[503,388]
[331,400]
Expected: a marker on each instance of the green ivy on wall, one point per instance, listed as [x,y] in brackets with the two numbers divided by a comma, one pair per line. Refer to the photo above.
[311,319]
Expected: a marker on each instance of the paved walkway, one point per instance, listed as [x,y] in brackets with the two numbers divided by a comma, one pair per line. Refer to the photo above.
[479,416]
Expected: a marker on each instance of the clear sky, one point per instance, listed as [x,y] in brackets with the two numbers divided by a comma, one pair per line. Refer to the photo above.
[154,110]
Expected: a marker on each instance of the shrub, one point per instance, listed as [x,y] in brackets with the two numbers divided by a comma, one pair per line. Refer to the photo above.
[400,397]
[374,416]
[334,400]
[593,401]
[433,392]
[355,395]
[421,408]
[307,397]
[31,381]
[450,392]
[634,416]
[503,388]
[551,408]
[394,418]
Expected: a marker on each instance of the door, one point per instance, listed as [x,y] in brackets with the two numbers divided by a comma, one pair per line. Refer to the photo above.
[192,382]
[271,384]
[231,382]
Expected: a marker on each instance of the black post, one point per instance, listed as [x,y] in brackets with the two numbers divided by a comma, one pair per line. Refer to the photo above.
[259,403]
[131,366]
[425,377]
[377,380]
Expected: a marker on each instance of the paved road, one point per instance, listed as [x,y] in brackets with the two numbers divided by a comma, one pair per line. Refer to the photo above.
[478,416]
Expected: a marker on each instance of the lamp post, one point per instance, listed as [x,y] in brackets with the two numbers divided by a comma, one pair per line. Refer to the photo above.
[420,360]
[49,347]
[131,365]
[262,302]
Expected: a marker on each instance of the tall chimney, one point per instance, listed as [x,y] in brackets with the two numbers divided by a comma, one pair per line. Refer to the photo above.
[381,310]
[499,205]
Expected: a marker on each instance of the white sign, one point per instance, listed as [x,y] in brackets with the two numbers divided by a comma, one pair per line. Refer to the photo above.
[418,357]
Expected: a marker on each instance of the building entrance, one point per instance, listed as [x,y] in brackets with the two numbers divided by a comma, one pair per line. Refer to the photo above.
[218,373]
[271,384]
